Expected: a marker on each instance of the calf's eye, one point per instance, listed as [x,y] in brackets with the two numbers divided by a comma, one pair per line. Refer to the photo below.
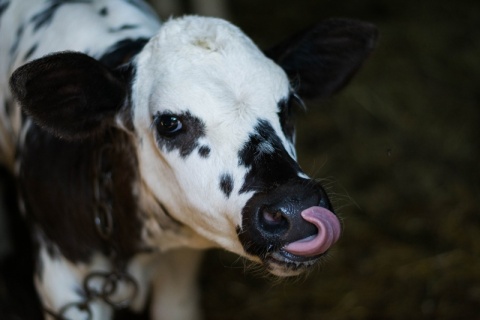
[168,124]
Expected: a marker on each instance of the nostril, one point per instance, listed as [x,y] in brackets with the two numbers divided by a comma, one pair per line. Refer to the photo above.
[273,220]
[273,217]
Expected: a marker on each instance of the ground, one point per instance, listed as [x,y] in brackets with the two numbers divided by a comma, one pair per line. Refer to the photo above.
[399,152]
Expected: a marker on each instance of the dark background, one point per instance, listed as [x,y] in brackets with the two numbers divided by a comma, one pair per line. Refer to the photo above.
[398,151]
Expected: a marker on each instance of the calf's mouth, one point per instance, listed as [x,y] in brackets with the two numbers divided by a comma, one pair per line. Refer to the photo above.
[289,227]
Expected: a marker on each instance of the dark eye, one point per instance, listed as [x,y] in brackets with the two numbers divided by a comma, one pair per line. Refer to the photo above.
[168,124]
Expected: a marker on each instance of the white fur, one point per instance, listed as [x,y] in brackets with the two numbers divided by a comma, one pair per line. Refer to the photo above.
[210,68]
[60,280]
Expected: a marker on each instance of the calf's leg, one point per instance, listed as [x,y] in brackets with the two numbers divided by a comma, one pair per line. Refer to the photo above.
[175,293]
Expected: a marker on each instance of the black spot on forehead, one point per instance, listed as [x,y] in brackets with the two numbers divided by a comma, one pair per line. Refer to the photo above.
[269,163]
[185,141]
[226,184]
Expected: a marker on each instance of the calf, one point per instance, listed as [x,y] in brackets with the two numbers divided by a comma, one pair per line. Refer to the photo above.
[145,142]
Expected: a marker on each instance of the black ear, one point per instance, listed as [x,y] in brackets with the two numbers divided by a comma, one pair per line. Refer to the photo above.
[69,94]
[324,57]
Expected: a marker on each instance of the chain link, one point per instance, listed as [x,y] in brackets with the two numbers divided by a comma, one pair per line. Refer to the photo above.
[111,282]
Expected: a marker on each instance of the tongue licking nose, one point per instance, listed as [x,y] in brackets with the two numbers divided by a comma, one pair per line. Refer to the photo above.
[328,233]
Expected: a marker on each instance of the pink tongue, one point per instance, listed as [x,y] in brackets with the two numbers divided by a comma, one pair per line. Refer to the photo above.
[328,233]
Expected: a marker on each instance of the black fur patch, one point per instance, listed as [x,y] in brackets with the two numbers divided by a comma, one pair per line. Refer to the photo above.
[204,151]
[57,180]
[45,17]
[117,57]
[286,119]
[19,35]
[103,12]
[8,107]
[186,139]
[286,114]
[122,51]
[30,51]
[3,7]
[122,28]
[268,168]
[226,184]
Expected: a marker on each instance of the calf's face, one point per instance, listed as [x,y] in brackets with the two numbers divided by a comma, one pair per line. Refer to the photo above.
[212,119]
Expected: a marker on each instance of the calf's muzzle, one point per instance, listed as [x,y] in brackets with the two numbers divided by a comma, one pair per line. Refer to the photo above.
[294,219]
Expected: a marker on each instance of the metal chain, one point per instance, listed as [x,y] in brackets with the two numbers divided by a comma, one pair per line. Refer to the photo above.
[110,282]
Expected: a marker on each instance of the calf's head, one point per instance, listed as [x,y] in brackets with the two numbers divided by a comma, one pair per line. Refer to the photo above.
[210,116]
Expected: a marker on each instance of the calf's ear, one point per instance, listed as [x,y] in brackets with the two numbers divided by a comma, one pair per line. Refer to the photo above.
[322,59]
[69,94]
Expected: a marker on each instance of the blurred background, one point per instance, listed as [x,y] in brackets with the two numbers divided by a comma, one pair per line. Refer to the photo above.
[398,151]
